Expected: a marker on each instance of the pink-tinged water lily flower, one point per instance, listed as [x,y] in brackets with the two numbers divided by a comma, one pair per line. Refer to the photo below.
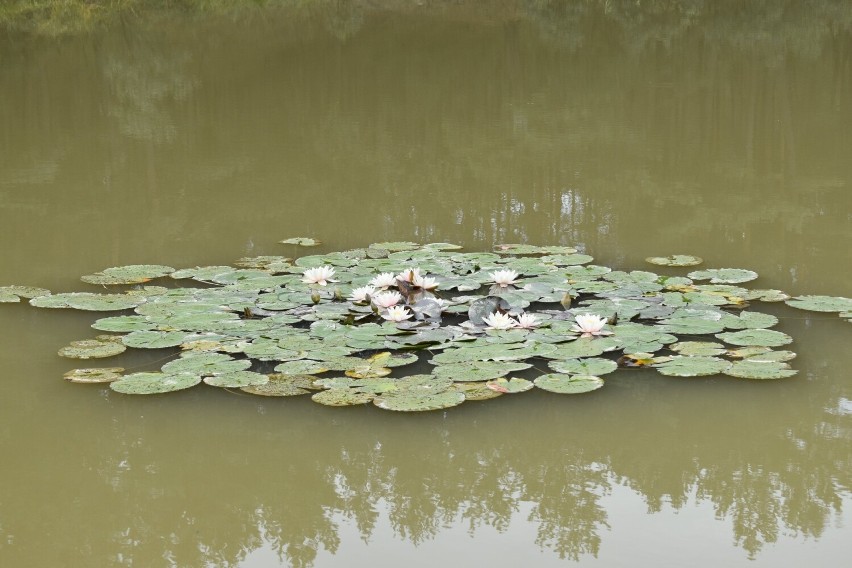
[383,281]
[528,321]
[320,275]
[396,314]
[499,321]
[387,299]
[409,275]
[590,325]
[425,282]
[362,294]
[504,277]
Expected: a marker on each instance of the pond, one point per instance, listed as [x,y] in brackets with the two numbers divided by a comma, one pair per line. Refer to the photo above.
[198,136]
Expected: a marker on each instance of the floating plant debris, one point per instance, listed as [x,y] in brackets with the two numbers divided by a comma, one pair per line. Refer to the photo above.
[347,326]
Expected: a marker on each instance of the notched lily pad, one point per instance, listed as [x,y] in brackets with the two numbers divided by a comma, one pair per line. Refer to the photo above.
[756,337]
[283,385]
[131,274]
[411,401]
[153,383]
[567,384]
[91,349]
[94,375]
[821,303]
[724,275]
[342,397]
[301,241]
[593,366]
[748,369]
[15,293]
[675,260]
[512,385]
[237,379]
[695,366]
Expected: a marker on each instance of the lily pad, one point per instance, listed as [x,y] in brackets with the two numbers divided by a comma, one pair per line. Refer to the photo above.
[698,348]
[154,339]
[724,275]
[513,385]
[301,367]
[675,260]
[695,366]
[18,292]
[410,401]
[821,303]
[567,384]
[91,349]
[478,370]
[301,241]
[237,379]
[97,375]
[475,391]
[88,301]
[342,397]
[131,274]
[593,366]
[282,385]
[760,370]
[206,364]
[756,337]
[153,383]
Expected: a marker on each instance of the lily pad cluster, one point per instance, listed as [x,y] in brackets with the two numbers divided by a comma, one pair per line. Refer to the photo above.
[412,327]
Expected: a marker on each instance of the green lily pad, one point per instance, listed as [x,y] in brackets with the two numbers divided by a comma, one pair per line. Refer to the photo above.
[821,303]
[513,385]
[395,246]
[410,401]
[97,375]
[88,301]
[301,241]
[154,339]
[125,324]
[756,337]
[771,357]
[206,364]
[15,293]
[283,385]
[698,348]
[593,366]
[153,383]
[760,370]
[567,384]
[476,391]
[131,274]
[675,260]
[694,366]
[518,249]
[342,397]
[746,352]
[583,347]
[751,320]
[478,370]
[237,379]
[766,295]
[301,367]
[91,349]
[724,275]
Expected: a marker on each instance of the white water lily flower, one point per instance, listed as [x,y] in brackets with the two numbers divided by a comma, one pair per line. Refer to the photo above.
[527,321]
[383,281]
[590,325]
[425,282]
[409,275]
[319,275]
[499,321]
[396,314]
[504,277]
[387,299]
[361,294]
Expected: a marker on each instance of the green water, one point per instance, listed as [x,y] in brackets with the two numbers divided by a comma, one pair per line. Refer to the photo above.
[194,138]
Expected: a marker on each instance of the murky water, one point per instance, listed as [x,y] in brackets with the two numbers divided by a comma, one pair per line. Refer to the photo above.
[196,139]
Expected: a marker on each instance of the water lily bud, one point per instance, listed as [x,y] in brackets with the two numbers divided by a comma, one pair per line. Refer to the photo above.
[315,297]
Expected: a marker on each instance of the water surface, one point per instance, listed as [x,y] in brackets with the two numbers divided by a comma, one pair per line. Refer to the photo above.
[197,138]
